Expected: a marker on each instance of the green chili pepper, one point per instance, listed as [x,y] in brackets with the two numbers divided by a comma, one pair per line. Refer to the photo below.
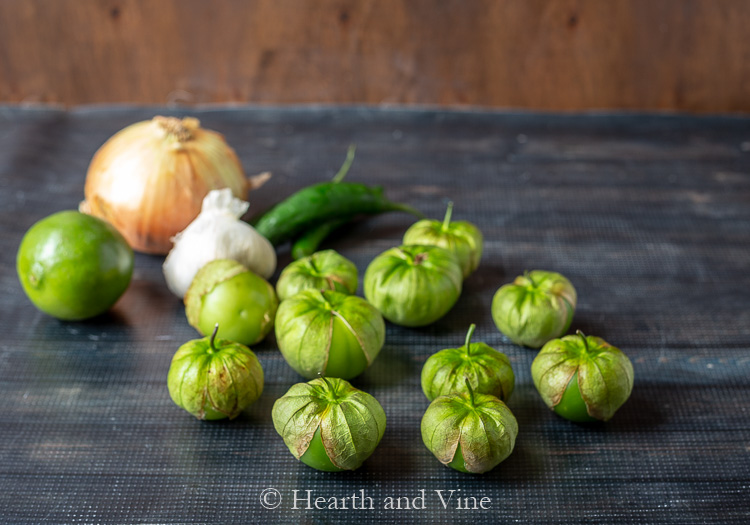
[322,203]
[308,242]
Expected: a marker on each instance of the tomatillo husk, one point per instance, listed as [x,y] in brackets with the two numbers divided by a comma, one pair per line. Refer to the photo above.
[469,432]
[582,378]
[323,270]
[227,293]
[536,307]
[413,285]
[322,332]
[214,378]
[484,368]
[461,238]
[343,424]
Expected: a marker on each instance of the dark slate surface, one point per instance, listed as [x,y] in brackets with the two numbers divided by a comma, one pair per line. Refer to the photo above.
[649,217]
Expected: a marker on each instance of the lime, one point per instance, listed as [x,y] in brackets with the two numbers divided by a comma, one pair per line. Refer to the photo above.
[74,266]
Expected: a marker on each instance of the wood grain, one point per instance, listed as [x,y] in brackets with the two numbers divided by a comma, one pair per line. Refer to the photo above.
[684,55]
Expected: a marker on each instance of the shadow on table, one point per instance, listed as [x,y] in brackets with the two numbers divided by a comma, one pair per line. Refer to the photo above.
[390,368]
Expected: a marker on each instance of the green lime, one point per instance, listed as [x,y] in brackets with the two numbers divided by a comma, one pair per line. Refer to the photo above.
[74,266]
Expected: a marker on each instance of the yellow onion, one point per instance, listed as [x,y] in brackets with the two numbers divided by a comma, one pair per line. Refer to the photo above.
[149,179]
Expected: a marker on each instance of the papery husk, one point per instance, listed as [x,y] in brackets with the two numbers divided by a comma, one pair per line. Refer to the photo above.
[532,318]
[605,373]
[149,179]
[482,425]
[218,385]
[351,427]
[411,293]
[207,279]
[461,238]
[305,329]
[323,270]
[485,369]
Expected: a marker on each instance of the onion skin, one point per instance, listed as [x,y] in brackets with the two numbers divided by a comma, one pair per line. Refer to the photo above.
[149,179]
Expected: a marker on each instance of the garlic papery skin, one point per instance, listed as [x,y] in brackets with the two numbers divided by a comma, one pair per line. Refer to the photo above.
[149,179]
[217,233]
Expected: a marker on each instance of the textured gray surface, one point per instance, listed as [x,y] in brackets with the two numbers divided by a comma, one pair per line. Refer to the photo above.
[649,217]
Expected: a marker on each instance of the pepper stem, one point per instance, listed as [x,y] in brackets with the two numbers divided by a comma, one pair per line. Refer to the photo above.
[448,214]
[344,169]
[395,206]
[585,341]
[471,391]
[468,337]
[213,337]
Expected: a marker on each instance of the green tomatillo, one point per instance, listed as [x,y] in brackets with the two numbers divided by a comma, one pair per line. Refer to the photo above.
[478,364]
[328,424]
[582,378]
[322,332]
[469,432]
[413,285]
[226,292]
[324,270]
[214,378]
[536,307]
[460,237]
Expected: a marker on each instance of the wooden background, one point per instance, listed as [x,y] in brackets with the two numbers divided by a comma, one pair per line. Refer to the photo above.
[684,55]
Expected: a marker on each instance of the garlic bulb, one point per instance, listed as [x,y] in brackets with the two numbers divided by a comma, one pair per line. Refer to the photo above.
[148,180]
[217,233]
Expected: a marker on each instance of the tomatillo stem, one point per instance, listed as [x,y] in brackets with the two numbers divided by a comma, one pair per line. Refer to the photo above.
[213,338]
[468,337]
[448,214]
[313,266]
[585,341]
[344,169]
[471,392]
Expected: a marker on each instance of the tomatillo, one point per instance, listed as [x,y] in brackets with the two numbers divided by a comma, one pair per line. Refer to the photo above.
[328,424]
[240,301]
[582,378]
[536,307]
[460,237]
[413,285]
[478,364]
[324,270]
[214,378]
[329,333]
[469,432]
